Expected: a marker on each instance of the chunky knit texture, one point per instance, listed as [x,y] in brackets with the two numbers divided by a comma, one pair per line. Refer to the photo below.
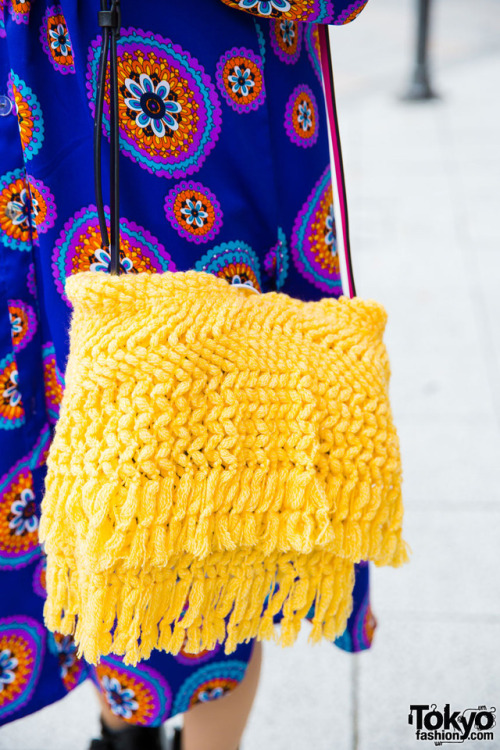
[230,450]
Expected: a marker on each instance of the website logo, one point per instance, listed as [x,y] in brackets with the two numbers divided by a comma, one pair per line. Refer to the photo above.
[446,726]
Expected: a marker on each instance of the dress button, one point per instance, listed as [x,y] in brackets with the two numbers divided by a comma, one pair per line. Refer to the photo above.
[5,106]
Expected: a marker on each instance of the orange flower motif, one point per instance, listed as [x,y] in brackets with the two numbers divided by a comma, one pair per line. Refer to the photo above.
[11,406]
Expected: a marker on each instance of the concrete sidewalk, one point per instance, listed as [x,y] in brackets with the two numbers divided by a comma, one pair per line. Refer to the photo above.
[424,189]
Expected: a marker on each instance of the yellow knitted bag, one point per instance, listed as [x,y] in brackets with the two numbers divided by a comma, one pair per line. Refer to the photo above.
[211,445]
[220,456]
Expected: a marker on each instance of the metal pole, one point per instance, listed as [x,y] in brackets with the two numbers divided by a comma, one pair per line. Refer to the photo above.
[420,87]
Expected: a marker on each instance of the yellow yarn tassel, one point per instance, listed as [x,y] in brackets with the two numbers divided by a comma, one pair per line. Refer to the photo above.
[218,457]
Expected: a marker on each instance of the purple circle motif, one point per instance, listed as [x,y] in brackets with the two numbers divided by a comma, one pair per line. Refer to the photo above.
[300,10]
[43,207]
[22,649]
[39,578]
[208,683]
[18,518]
[53,382]
[19,10]
[301,117]
[55,39]
[350,13]
[286,39]
[234,261]
[17,211]
[314,246]
[169,110]
[194,211]
[136,694]
[79,248]
[23,323]
[240,78]
[29,115]
[11,405]
[73,669]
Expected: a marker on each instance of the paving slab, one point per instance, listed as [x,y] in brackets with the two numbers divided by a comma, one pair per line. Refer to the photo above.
[425,662]
[304,700]
[454,566]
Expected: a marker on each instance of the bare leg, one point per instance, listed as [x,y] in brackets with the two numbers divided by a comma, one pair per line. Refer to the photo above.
[111,721]
[218,725]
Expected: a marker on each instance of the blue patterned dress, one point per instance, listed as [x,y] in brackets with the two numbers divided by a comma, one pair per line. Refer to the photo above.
[224,168]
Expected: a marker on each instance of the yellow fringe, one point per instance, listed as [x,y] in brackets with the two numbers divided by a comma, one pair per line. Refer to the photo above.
[211,447]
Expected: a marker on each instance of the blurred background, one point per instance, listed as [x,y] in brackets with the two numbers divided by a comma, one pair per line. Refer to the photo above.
[423,181]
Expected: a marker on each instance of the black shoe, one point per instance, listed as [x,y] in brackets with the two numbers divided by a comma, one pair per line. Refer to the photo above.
[131,738]
[177,740]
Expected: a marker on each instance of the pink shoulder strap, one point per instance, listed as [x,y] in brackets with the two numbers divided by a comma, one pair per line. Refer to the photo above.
[326,67]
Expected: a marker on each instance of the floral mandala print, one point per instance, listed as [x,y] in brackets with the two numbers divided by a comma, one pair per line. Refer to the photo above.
[351,12]
[138,695]
[18,518]
[11,406]
[17,211]
[301,117]
[286,39]
[276,262]
[2,21]
[169,110]
[20,11]
[73,669]
[23,323]
[29,116]
[22,648]
[235,262]
[56,41]
[79,248]
[208,683]
[43,208]
[296,10]
[52,382]
[240,79]
[314,246]
[194,211]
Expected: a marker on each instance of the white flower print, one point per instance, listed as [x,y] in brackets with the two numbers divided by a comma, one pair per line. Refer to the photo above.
[194,213]
[11,393]
[121,700]
[16,323]
[287,31]
[305,115]
[20,209]
[22,517]
[330,229]
[103,260]
[60,40]
[242,83]
[152,106]
[8,665]
[265,7]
